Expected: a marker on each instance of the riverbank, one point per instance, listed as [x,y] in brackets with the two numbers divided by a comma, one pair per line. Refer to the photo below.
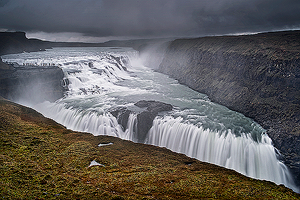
[40,159]
[257,75]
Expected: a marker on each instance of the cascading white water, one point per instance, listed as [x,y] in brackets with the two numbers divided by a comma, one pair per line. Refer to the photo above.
[102,78]
[86,121]
[241,153]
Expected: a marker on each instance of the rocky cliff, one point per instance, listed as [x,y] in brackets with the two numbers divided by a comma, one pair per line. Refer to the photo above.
[17,42]
[145,117]
[257,75]
[32,84]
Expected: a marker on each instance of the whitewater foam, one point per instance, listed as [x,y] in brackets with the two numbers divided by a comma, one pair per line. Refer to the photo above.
[99,79]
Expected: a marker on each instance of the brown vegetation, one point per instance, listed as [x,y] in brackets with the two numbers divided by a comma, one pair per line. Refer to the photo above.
[40,159]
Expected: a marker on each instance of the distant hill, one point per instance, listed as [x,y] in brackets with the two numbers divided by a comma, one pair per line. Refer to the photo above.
[17,42]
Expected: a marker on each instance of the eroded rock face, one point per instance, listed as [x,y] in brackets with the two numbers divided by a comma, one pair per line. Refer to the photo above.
[122,115]
[4,66]
[257,75]
[144,118]
[31,84]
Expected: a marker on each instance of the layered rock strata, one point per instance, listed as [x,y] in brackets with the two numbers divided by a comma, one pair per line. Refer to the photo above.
[31,84]
[257,75]
[145,117]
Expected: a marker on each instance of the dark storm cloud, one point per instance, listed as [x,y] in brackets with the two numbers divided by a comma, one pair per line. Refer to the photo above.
[3,2]
[149,18]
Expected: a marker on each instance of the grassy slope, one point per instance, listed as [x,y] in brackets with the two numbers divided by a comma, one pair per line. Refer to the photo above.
[40,159]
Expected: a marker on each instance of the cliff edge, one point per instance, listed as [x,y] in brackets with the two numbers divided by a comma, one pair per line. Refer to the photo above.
[257,75]
[31,84]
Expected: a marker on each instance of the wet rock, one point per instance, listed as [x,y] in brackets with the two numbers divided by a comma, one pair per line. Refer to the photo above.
[154,106]
[122,115]
[32,84]
[250,75]
[144,118]
[144,124]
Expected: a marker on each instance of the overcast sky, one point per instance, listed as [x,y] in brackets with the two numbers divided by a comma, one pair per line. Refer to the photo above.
[100,20]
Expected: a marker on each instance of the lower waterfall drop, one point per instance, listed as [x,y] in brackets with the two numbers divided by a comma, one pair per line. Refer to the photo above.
[240,153]
[100,79]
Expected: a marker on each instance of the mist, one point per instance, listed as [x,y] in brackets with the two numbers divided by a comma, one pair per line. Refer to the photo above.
[33,91]
[30,84]
[152,54]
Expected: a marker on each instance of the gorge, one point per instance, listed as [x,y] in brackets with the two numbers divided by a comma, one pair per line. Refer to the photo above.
[256,75]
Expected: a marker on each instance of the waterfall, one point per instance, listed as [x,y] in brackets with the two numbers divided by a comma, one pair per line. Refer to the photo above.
[256,159]
[99,79]
[88,121]
[131,128]
[240,153]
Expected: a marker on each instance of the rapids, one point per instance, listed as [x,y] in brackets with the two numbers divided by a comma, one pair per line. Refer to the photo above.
[99,79]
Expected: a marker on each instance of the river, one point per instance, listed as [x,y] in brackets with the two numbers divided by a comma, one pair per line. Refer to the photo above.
[100,79]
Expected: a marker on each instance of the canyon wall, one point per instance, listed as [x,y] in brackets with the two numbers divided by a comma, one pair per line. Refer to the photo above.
[257,75]
[31,84]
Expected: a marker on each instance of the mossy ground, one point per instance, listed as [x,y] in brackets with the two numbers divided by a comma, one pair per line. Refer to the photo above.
[39,159]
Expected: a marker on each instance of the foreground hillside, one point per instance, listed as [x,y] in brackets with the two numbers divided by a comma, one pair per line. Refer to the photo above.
[40,159]
[257,75]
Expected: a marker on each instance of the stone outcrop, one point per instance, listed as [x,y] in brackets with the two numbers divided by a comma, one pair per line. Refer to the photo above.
[5,66]
[257,75]
[145,117]
[31,84]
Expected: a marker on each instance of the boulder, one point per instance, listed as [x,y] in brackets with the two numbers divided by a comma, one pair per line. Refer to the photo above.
[122,115]
[144,118]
